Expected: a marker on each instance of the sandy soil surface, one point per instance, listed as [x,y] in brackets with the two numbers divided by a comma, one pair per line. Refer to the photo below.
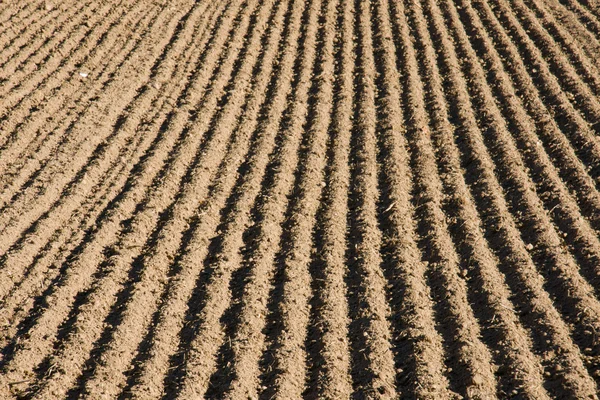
[258,199]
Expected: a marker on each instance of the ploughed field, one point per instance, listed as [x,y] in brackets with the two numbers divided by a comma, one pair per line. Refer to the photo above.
[299,198]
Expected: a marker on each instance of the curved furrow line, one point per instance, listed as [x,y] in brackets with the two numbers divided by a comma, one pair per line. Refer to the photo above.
[48,147]
[289,310]
[161,103]
[248,318]
[168,27]
[140,149]
[77,273]
[327,339]
[519,370]
[160,114]
[53,125]
[162,343]
[117,353]
[204,335]
[574,379]
[247,339]
[34,169]
[472,370]
[583,242]
[145,231]
[548,65]
[418,346]
[42,270]
[21,250]
[123,125]
[542,25]
[535,120]
[583,334]
[29,28]
[580,237]
[579,133]
[590,6]
[57,36]
[586,18]
[582,30]
[299,199]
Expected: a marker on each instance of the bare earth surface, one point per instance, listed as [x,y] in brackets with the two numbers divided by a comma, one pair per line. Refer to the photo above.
[257,199]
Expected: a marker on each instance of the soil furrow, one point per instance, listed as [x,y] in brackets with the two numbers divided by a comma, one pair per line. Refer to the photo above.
[153,218]
[197,360]
[171,25]
[247,340]
[420,354]
[575,375]
[501,329]
[171,315]
[115,218]
[582,135]
[327,338]
[299,199]
[289,303]
[478,261]
[141,303]
[22,251]
[472,370]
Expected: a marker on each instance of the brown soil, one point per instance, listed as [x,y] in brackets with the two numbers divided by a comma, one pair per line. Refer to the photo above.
[256,199]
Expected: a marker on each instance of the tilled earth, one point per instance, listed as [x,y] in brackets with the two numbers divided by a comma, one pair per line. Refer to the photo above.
[256,199]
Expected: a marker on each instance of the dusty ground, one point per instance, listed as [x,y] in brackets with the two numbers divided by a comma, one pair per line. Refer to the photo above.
[292,198]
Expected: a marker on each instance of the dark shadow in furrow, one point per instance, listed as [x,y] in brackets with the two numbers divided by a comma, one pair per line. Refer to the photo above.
[445,323]
[510,118]
[224,374]
[96,154]
[144,348]
[40,303]
[135,170]
[491,334]
[561,115]
[402,346]
[75,48]
[314,339]
[154,70]
[508,261]
[555,38]
[197,300]
[116,314]
[591,6]
[588,23]
[567,85]
[360,370]
[543,257]
[14,18]
[40,28]
[85,224]
[274,326]
[578,248]
[82,226]
[63,63]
